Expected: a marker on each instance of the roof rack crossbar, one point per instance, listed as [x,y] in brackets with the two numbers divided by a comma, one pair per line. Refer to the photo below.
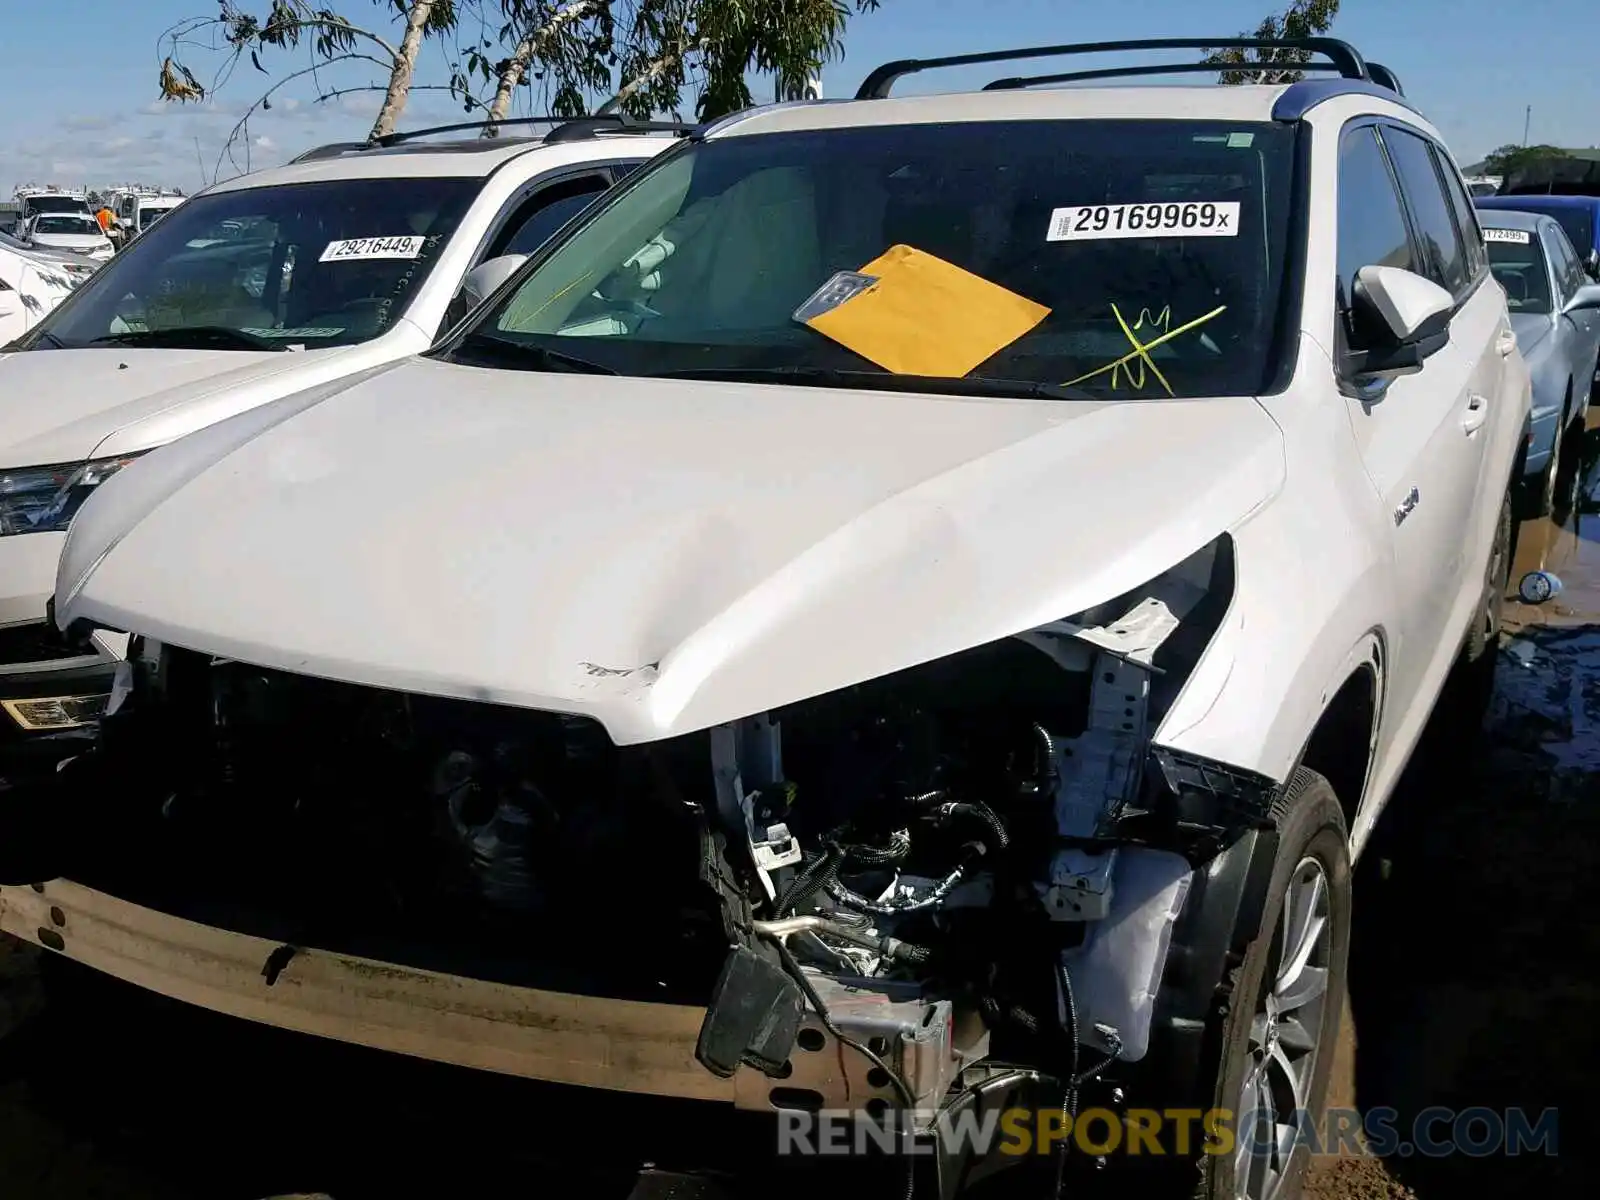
[1344,57]
[1026,81]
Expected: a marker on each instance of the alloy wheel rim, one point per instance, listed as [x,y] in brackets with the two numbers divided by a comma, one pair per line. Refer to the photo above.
[1499,574]
[1285,1041]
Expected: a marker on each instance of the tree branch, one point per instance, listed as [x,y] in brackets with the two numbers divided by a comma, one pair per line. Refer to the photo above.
[183,33]
[529,47]
[240,125]
[335,93]
[650,74]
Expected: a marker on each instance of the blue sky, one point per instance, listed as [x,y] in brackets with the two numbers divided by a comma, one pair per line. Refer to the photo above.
[81,102]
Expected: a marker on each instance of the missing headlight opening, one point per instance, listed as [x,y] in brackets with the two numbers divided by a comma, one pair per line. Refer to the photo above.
[876,895]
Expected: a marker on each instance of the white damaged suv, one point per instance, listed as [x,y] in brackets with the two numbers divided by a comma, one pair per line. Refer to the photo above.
[352,256]
[648,689]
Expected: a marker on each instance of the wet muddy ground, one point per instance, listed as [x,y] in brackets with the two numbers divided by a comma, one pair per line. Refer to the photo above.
[1473,985]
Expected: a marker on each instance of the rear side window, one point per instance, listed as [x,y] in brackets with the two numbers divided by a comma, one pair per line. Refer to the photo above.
[1579,226]
[1569,275]
[1372,225]
[1466,216]
[1445,258]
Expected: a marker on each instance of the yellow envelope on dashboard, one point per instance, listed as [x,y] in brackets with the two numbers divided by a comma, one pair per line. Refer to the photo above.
[914,314]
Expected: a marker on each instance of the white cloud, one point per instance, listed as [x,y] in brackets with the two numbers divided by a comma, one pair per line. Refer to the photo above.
[265,143]
[90,122]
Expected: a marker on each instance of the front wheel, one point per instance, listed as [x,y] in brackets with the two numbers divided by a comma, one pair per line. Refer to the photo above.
[1284,1005]
[1470,686]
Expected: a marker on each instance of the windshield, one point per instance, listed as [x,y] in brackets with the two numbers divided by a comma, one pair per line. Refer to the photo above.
[66,224]
[1517,260]
[1158,248]
[54,204]
[317,264]
[149,216]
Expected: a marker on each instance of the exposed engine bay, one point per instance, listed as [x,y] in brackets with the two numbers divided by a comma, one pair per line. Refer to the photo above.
[880,896]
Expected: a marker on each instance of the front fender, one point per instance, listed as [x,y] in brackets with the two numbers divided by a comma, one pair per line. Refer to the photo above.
[1315,589]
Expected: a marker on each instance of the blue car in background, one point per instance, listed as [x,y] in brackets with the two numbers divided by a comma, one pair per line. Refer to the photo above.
[1578,216]
[1554,305]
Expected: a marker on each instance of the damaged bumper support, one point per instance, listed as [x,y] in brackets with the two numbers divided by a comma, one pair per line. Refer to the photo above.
[586,1041]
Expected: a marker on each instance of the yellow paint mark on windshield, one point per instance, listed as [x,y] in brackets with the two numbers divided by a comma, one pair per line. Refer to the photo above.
[1138,362]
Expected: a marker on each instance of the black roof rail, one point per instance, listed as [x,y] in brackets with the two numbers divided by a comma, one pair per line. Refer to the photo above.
[1026,81]
[1384,77]
[1342,56]
[578,128]
[331,150]
[563,129]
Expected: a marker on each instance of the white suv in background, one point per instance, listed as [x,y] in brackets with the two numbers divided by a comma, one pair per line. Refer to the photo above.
[984,558]
[350,257]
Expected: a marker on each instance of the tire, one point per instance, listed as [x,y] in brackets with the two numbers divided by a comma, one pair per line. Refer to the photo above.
[1483,639]
[1312,843]
[1470,685]
[1550,500]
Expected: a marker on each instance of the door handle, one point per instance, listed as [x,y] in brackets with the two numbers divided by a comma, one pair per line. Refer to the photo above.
[1477,413]
[1505,343]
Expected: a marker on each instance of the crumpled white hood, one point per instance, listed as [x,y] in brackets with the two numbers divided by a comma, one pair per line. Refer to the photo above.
[60,406]
[662,555]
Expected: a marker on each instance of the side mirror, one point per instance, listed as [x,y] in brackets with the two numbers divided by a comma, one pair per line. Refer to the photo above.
[1407,316]
[1592,264]
[1586,299]
[487,276]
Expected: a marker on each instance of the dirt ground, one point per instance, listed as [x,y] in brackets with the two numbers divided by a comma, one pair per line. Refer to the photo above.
[1473,984]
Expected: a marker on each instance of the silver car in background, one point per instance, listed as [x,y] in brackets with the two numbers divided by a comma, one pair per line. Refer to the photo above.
[1555,311]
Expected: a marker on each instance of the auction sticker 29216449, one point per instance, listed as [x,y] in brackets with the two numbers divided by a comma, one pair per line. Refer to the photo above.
[372,247]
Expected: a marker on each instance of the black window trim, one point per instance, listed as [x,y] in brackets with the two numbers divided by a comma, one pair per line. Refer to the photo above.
[605,168]
[1283,348]
[1350,127]
[540,202]
[1382,123]
[1447,168]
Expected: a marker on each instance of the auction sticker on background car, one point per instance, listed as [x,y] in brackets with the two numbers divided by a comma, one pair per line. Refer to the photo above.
[1516,237]
[373,247]
[1190,218]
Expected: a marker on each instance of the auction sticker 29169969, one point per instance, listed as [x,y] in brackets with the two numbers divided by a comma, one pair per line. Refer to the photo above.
[1174,219]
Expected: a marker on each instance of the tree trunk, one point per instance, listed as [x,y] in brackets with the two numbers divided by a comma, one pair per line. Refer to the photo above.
[522,57]
[405,67]
[648,76]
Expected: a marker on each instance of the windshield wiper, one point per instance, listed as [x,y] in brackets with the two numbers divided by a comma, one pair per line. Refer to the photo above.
[884,381]
[526,356]
[190,337]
